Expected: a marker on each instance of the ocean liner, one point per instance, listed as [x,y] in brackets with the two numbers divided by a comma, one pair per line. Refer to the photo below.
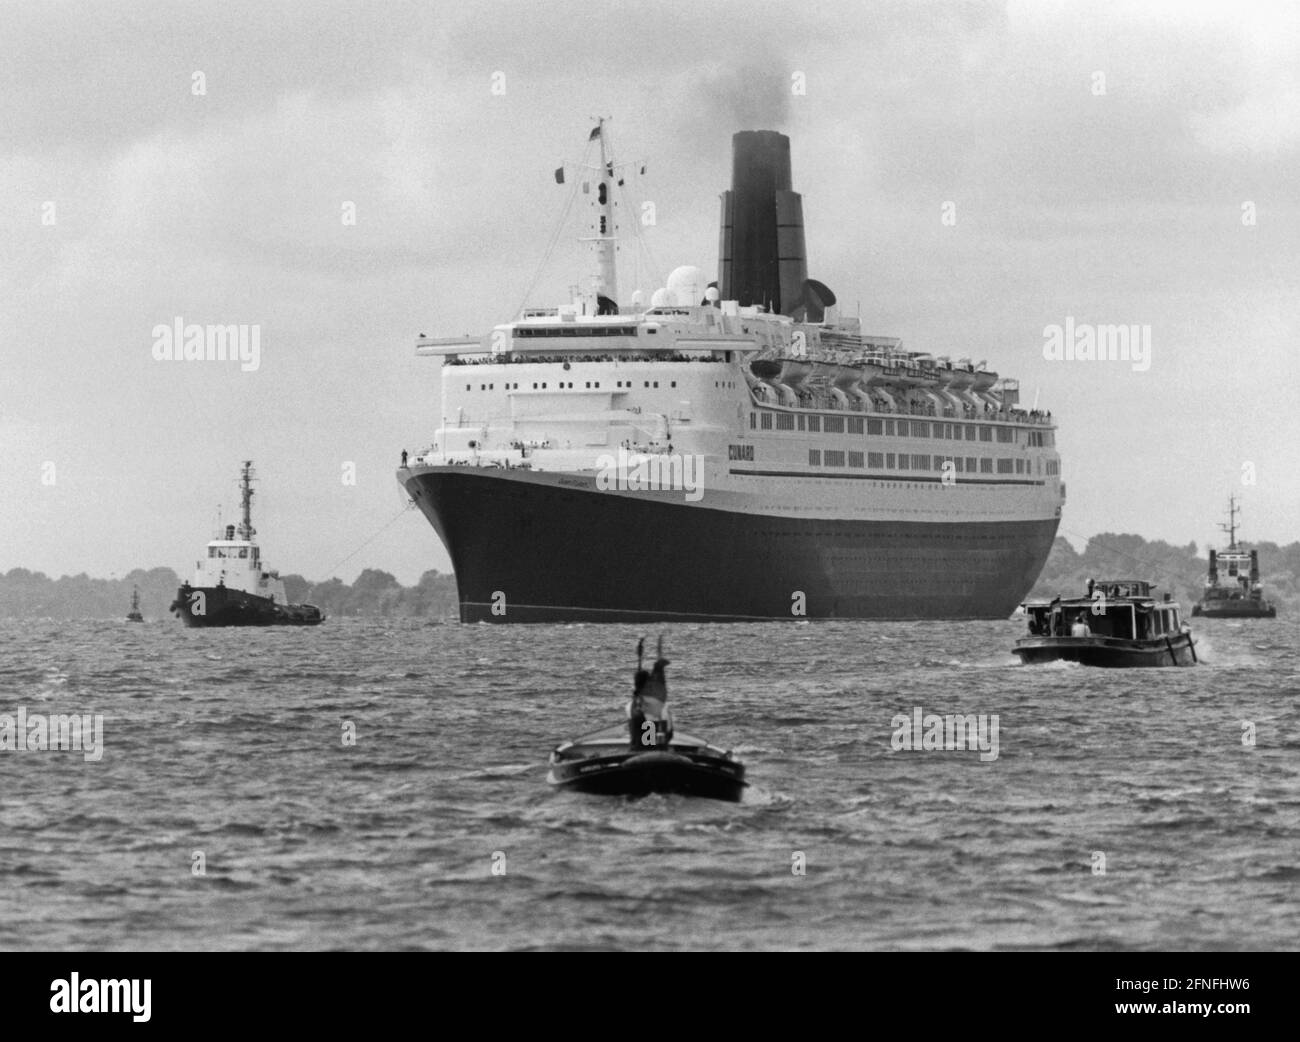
[233,587]
[735,450]
[1232,587]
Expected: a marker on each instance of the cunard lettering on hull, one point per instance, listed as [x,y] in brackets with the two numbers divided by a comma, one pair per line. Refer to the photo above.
[834,473]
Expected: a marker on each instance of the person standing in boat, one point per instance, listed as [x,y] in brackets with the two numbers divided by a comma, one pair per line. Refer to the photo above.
[650,702]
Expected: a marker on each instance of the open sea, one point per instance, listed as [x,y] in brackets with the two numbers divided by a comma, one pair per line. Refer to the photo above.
[1126,809]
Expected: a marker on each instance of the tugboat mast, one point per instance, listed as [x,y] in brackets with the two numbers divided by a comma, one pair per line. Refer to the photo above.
[246,529]
[1231,526]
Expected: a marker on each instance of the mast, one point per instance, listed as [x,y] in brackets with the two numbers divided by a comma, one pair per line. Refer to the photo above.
[246,529]
[604,239]
[1231,526]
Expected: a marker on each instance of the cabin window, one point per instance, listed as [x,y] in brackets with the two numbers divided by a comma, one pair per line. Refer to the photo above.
[889,460]
[468,387]
[802,423]
[243,551]
[919,429]
[833,424]
[986,434]
[1020,466]
[921,462]
[986,465]
[765,421]
[784,421]
[855,424]
[970,432]
[971,464]
[959,465]
[833,457]
[1005,466]
[815,457]
[753,420]
[855,459]
[673,384]
[212,551]
[875,460]
[1006,434]
[876,427]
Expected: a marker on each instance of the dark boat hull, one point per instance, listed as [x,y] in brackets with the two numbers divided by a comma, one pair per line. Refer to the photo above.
[221,606]
[634,773]
[1177,649]
[1240,609]
[528,550]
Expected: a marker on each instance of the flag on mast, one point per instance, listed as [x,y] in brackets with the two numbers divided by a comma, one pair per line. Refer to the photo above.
[559,175]
[595,133]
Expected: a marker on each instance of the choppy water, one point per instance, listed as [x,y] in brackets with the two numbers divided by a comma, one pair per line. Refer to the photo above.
[230,743]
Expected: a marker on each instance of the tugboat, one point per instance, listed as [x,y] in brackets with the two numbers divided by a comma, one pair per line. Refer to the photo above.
[232,587]
[1241,596]
[134,614]
[646,755]
[1118,624]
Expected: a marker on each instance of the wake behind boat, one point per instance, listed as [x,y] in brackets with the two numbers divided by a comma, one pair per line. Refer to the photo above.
[1118,624]
[646,755]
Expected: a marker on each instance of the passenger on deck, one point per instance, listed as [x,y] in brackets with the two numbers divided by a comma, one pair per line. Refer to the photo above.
[650,703]
[1080,628]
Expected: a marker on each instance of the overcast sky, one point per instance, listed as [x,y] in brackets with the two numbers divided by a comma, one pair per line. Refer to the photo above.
[1120,206]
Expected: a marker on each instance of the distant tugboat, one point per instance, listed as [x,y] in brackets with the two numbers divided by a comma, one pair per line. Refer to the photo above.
[1241,596]
[232,588]
[1118,624]
[134,614]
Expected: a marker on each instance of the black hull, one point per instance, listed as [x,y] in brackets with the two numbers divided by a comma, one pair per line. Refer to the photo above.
[1235,610]
[1175,650]
[534,551]
[226,607]
[635,773]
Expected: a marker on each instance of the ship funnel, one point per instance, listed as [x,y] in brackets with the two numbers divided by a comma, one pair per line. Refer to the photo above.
[1254,566]
[761,256]
[1214,567]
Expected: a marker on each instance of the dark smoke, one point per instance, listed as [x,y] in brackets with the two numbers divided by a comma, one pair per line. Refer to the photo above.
[755,95]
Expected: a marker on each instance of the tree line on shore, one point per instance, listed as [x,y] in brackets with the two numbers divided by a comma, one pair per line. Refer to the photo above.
[1178,570]
[27,594]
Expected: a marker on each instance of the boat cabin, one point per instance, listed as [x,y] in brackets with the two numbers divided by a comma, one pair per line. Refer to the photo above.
[1122,609]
